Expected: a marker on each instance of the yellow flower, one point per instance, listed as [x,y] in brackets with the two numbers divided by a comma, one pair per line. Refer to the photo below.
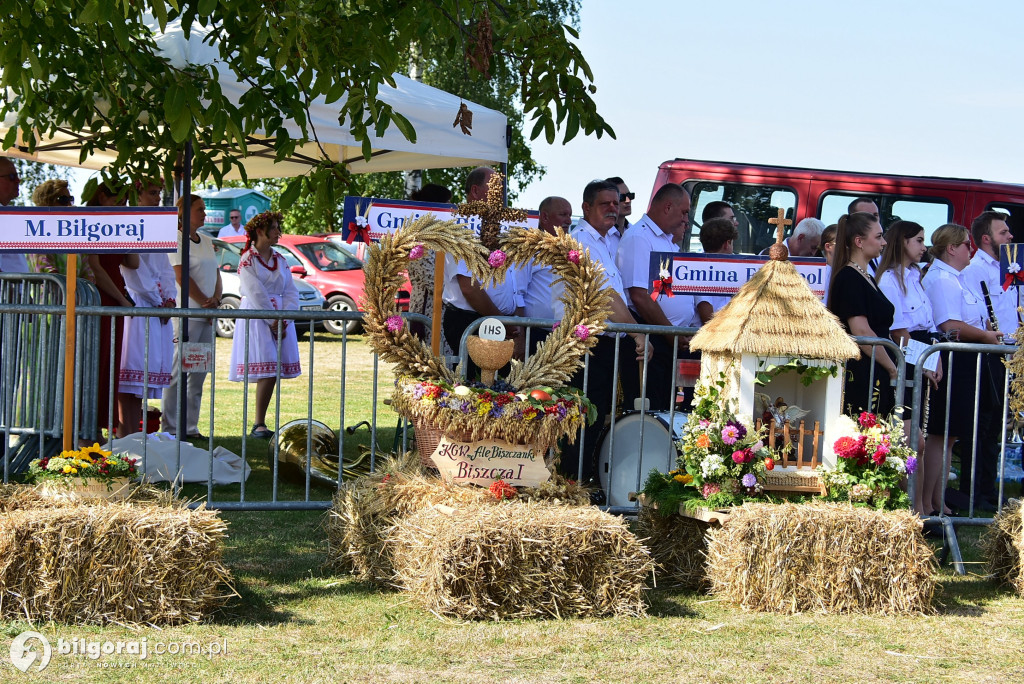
[685,479]
[67,469]
[74,470]
[484,407]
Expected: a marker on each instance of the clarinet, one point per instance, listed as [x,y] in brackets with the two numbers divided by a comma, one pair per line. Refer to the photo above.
[988,305]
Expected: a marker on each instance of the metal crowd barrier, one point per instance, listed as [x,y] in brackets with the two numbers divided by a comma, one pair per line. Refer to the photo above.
[32,334]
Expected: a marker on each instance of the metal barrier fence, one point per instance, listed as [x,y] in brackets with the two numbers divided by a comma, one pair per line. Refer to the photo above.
[31,399]
[32,367]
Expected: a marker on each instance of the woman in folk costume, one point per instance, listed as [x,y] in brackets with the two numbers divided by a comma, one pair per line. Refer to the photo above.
[152,284]
[266,283]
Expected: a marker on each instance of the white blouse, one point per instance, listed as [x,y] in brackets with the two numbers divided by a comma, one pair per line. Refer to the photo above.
[913,310]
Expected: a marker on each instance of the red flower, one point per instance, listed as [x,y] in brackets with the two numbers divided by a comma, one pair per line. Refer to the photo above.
[847,447]
[500,489]
[878,457]
[867,420]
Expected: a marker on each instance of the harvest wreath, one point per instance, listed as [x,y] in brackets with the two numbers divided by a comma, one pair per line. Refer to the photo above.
[423,377]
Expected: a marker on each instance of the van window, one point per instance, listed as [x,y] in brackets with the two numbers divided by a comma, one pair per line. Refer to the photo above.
[753,205]
[930,213]
[1015,220]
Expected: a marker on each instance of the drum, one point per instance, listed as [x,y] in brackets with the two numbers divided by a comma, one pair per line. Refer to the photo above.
[618,469]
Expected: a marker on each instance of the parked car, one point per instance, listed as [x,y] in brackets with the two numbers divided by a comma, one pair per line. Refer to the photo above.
[228,254]
[355,248]
[756,193]
[334,272]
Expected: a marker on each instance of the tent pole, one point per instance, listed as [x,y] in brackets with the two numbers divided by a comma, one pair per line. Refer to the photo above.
[181,427]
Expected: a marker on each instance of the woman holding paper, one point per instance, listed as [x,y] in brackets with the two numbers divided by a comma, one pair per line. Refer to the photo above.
[959,313]
[266,283]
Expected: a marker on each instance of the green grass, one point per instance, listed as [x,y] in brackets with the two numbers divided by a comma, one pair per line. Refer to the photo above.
[292,621]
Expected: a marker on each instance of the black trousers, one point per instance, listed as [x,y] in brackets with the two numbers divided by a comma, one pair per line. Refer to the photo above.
[454,322]
[985,456]
[601,390]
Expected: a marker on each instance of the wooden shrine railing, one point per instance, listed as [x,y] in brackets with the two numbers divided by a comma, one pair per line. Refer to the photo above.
[796,439]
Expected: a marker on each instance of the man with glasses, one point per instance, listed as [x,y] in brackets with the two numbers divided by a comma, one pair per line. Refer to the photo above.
[9,187]
[235,227]
[625,209]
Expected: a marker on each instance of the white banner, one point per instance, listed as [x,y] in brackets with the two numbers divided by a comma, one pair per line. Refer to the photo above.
[88,229]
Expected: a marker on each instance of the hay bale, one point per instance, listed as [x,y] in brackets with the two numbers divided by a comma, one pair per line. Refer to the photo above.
[1004,546]
[823,558]
[521,560]
[678,546]
[366,508]
[109,562]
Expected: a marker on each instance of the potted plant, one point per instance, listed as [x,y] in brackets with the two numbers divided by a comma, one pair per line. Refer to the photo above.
[84,474]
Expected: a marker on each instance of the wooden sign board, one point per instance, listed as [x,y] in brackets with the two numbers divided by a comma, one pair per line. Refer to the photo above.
[482,463]
[804,481]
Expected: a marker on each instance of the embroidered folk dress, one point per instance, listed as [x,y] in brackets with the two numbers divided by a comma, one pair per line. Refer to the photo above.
[148,285]
[264,285]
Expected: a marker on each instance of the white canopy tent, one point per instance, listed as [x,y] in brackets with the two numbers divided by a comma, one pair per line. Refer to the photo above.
[431,112]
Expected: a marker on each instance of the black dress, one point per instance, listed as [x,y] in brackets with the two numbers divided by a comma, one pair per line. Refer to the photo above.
[853,295]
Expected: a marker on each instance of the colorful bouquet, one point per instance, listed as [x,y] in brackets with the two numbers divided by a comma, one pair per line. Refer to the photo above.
[721,459]
[87,464]
[873,461]
[497,411]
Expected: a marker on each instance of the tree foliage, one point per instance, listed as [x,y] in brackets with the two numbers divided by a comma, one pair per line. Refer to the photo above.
[93,66]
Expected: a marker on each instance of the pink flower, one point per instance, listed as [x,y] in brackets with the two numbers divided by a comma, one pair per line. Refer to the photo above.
[557,323]
[573,256]
[847,447]
[704,423]
[730,434]
[416,252]
[739,457]
[867,420]
[582,331]
[496,259]
[710,489]
[394,323]
[879,456]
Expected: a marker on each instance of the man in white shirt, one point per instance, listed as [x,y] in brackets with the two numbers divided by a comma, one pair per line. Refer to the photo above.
[625,209]
[536,279]
[990,232]
[804,241]
[600,211]
[234,228]
[10,262]
[465,300]
[659,230]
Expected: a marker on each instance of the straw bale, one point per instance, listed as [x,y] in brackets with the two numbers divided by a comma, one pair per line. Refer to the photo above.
[1004,546]
[822,558]
[678,545]
[123,563]
[521,560]
[366,509]
[776,314]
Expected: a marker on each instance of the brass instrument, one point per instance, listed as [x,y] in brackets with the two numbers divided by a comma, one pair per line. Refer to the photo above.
[323,459]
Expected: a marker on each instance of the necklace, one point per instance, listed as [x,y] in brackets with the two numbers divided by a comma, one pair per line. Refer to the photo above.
[860,270]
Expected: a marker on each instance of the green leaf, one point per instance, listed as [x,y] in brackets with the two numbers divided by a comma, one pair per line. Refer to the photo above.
[181,127]
[90,14]
[291,192]
[404,126]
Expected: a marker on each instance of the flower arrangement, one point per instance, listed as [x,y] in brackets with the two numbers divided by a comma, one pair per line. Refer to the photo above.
[544,414]
[873,460]
[88,464]
[721,459]
[502,490]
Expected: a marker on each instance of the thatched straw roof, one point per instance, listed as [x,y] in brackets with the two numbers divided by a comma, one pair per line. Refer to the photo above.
[776,314]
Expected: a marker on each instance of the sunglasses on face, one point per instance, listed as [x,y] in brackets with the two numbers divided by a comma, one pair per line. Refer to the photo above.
[65,200]
[623,196]
[236,218]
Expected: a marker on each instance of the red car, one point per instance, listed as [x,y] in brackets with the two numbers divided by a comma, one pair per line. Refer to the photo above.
[334,272]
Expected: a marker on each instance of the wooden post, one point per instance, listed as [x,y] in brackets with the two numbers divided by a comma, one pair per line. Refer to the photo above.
[800,447]
[69,354]
[435,318]
[817,434]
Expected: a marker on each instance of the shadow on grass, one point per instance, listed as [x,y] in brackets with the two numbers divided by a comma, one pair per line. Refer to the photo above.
[665,602]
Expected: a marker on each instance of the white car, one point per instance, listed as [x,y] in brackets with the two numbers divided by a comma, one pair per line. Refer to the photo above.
[228,255]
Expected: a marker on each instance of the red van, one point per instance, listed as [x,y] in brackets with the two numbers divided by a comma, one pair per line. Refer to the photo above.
[757,192]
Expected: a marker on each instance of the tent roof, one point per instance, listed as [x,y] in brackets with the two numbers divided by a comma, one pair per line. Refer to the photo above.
[229,193]
[776,314]
[431,112]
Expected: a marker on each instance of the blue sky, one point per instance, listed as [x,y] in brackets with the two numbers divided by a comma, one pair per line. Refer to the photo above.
[924,88]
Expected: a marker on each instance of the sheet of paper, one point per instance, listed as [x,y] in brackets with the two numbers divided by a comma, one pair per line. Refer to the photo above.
[913,351]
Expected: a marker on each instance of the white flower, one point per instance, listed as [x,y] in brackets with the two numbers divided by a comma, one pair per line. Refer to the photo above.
[664,273]
[1013,267]
[896,463]
[711,465]
[361,221]
[846,427]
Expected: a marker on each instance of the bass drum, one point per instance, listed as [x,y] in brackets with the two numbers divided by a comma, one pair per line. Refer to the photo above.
[618,469]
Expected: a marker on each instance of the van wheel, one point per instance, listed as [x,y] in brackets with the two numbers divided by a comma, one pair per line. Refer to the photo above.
[341,303]
[226,326]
